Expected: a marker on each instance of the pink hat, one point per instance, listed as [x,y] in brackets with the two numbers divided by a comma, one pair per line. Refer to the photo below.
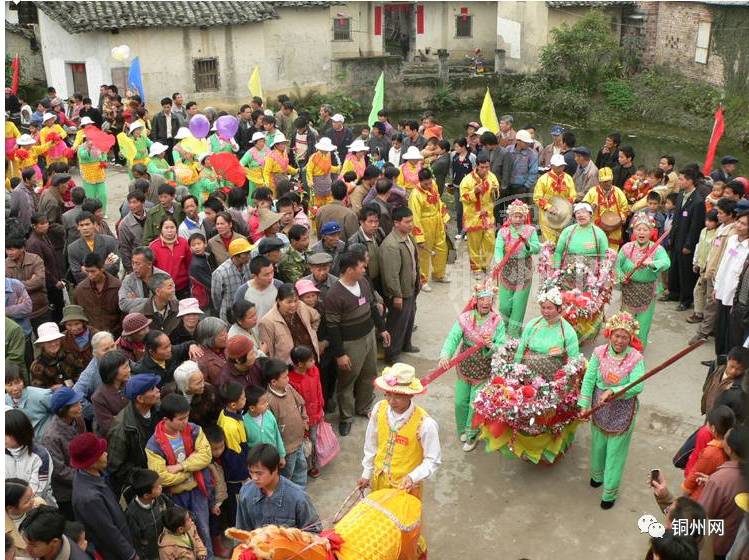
[305,287]
[189,306]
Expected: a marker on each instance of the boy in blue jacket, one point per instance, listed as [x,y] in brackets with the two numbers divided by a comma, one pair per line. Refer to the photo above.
[234,458]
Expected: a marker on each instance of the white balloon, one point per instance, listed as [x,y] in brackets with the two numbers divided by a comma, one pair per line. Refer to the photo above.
[121,53]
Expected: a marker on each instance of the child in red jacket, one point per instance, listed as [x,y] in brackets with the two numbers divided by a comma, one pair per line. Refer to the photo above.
[305,378]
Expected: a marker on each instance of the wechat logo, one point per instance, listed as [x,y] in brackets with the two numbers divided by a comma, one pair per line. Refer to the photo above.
[649,524]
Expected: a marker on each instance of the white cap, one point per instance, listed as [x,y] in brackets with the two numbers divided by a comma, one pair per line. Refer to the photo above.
[412,153]
[258,136]
[358,145]
[202,156]
[268,113]
[183,133]
[86,121]
[524,136]
[157,148]
[47,116]
[557,159]
[325,145]
[337,118]
[136,125]
[481,130]
[25,140]
[278,139]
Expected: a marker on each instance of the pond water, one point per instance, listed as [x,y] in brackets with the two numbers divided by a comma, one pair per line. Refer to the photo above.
[649,141]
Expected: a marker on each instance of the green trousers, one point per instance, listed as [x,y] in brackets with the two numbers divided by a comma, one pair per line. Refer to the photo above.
[97,191]
[645,319]
[512,307]
[608,455]
[465,393]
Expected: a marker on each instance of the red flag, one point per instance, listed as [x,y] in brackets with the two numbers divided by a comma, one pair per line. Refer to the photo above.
[16,66]
[718,128]
[101,140]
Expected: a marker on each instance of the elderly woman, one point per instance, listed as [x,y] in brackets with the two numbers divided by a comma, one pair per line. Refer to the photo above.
[134,330]
[77,341]
[547,341]
[49,368]
[289,323]
[211,335]
[26,459]
[109,399]
[190,315]
[582,240]
[102,343]
[612,366]
[189,381]
[638,266]
[66,423]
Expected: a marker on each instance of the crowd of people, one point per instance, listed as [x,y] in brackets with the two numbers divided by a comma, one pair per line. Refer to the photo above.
[171,376]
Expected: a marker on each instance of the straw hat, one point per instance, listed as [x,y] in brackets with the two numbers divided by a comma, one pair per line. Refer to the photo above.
[412,153]
[189,306]
[157,148]
[48,332]
[325,145]
[358,145]
[400,379]
[267,218]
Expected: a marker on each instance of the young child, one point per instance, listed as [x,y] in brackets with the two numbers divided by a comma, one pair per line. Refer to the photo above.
[669,205]
[200,270]
[218,521]
[179,540]
[654,211]
[76,532]
[259,422]
[725,377]
[144,512]
[699,261]
[430,151]
[234,458]
[287,405]
[376,158]
[394,155]
[711,200]
[305,378]
[719,420]
[350,179]
[637,186]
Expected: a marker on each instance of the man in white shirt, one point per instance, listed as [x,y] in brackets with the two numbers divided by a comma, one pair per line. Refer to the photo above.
[260,290]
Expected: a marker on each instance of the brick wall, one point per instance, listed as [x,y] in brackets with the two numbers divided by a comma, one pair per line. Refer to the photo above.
[671,29]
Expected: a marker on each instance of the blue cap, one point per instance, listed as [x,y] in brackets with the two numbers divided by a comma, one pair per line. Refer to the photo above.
[557,130]
[62,397]
[139,384]
[742,205]
[330,228]
[728,159]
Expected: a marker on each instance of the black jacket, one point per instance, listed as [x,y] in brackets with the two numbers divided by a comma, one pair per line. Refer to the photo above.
[607,160]
[95,505]
[180,353]
[689,220]
[127,444]
[243,136]
[342,139]
[158,127]
[621,174]
[146,526]
[311,141]
[94,114]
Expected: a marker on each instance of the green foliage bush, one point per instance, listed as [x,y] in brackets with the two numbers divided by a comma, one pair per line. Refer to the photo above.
[618,94]
[443,99]
[313,99]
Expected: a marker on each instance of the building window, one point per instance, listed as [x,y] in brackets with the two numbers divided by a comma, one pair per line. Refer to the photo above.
[342,29]
[463,25]
[206,74]
[27,13]
[703,42]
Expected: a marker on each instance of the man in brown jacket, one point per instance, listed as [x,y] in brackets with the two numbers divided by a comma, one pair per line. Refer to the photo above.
[338,212]
[52,206]
[97,295]
[29,269]
[399,274]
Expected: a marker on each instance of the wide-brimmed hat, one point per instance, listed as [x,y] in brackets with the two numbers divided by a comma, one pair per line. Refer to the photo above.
[47,116]
[135,126]
[238,246]
[189,306]
[401,379]
[357,145]
[325,145]
[412,153]
[201,157]
[157,148]
[134,322]
[557,159]
[305,287]
[86,121]
[73,313]
[183,133]
[62,397]
[85,449]
[266,218]
[279,138]
[25,140]
[48,332]
[258,136]
[524,136]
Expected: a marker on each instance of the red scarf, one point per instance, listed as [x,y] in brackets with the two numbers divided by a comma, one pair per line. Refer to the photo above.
[432,196]
[484,185]
[558,185]
[163,440]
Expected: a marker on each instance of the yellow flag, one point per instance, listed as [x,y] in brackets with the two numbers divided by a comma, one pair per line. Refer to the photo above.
[488,116]
[254,84]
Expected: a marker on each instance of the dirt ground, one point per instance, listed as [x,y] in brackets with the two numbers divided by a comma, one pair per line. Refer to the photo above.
[482,505]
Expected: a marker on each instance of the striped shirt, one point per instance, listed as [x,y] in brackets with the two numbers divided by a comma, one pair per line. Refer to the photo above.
[225,281]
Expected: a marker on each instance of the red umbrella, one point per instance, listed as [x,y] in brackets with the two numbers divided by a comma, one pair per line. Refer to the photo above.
[227,166]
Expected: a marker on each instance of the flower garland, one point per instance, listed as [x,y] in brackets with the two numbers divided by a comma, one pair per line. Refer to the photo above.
[518,399]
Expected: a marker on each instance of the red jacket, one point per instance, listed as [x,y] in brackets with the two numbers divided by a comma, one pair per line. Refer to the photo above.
[704,436]
[308,385]
[174,261]
[707,463]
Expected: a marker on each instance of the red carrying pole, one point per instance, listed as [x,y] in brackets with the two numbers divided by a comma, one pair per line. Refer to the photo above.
[649,254]
[712,147]
[434,374]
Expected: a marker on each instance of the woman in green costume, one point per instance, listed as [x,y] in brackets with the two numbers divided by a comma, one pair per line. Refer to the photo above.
[253,161]
[581,241]
[92,163]
[157,165]
[480,323]
[219,145]
[612,366]
[517,274]
[142,144]
[547,341]
[639,287]
[208,181]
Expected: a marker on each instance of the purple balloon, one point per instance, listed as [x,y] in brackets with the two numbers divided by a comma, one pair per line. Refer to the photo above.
[227,126]
[200,126]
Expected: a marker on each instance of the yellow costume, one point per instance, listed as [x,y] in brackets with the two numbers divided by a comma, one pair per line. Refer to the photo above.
[80,138]
[613,201]
[409,175]
[28,156]
[319,181]
[56,152]
[352,163]
[11,133]
[398,453]
[276,167]
[430,217]
[478,217]
[549,185]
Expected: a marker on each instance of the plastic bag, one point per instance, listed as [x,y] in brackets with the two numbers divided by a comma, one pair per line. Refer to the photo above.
[327,444]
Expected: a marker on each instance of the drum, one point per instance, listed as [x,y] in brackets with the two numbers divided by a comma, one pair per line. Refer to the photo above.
[610,221]
[563,215]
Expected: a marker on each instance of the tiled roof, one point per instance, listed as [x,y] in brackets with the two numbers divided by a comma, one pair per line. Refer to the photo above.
[19,29]
[583,3]
[81,17]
